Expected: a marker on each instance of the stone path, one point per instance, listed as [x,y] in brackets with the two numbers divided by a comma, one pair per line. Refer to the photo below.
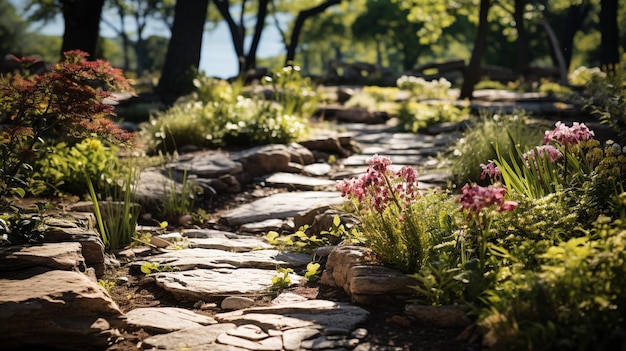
[50,296]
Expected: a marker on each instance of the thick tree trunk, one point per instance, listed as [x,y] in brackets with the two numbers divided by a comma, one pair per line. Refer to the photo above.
[82,25]
[183,52]
[473,70]
[523,51]
[609,45]
[297,28]
[573,21]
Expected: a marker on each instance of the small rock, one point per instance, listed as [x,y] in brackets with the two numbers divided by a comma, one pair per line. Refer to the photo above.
[232,303]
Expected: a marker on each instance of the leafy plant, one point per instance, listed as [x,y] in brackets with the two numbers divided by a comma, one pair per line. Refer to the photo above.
[179,200]
[62,168]
[390,226]
[296,94]
[477,146]
[312,271]
[153,267]
[414,116]
[298,241]
[108,285]
[282,279]
[18,227]
[59,103]
[419,87]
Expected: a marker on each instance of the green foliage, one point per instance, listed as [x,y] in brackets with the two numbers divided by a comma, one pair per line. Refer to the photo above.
[179,200]
[296,94]
[117,215]
[59,102]
[299,241]
[573,301]
[312,271]
[222,116]
[282,279]
[62,168]
[17,227]
[153,267]
[554,89]
[477,146]
[605,98]
[108,285]
[423,89]
[415,116]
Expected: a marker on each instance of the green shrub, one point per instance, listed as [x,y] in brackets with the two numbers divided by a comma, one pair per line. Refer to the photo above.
[477,146]
[414,116]
[60,102]
[63,169]
[221,117]
[423,89]
[575,300]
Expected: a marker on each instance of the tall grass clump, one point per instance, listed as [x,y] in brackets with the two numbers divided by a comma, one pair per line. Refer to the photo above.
[477,146]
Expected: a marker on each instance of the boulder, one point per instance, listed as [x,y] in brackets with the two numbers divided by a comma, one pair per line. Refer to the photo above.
[56,309]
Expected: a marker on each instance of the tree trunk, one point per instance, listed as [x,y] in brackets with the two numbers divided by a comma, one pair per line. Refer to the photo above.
[183,51]
[609,45]
[82,25]
[472,72]
[575,16]
[522,38]
[297,28]
[237,33]
[250,62]
[554,44]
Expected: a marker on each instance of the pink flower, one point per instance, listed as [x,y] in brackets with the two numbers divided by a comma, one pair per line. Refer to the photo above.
[543,151]
[567,136]
[379,163]
[380,186]
[489,170]
[474,198]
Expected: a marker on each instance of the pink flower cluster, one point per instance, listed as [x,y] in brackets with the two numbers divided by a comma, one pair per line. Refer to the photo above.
[380,186]
[490,170]
[568,136]
[543,151]
[474,198]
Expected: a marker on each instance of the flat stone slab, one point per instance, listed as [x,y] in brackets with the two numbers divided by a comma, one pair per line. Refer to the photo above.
[282,206]
[64,256]
[321,314]
[211,258]
[166,319]
[299,181]
[263,226]
[209,165]
[200,338]
[208,285]
[226,241]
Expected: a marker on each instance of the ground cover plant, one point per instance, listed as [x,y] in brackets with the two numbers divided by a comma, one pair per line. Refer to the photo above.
[536,253]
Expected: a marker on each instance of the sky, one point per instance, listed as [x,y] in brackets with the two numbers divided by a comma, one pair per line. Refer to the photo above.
[217,58]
